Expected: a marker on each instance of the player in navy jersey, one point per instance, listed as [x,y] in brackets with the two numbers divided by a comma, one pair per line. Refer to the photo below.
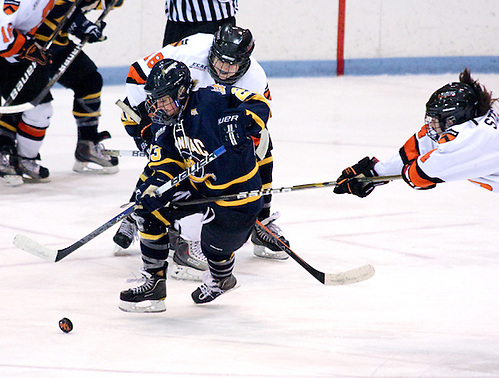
[225,58]
[187,126]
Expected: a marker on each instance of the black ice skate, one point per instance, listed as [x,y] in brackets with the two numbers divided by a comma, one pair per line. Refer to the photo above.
[126,234]
[8,173]
[263,246]
[89,157]
[189,262]
[148,297]
[212,288]
[31,170]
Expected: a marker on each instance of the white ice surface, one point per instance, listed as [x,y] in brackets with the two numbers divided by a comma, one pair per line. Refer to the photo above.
[431,309]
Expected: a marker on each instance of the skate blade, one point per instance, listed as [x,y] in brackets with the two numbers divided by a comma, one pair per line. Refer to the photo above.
[186,273]
[261,251]
[11,180]
[94,168]
[31,180]
[119,251]
[149,306]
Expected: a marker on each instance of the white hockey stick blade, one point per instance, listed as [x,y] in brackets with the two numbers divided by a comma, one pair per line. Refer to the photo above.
[359,274]
[29,245]
[12,109]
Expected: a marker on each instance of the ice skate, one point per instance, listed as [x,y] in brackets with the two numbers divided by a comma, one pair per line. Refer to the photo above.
[89,157]
[8,174]
[148,297]
[189,262]
[31,170]
[125,235]
[212,288]
[265,247]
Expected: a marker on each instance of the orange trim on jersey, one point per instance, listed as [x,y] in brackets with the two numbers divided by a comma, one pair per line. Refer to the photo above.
[410,148]
[416,179]
[446,138]
[135,76]
[267,95]
[256,141]
[31,130]
[485,186]
[15,46]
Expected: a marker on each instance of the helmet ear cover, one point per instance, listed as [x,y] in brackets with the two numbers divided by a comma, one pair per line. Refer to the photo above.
[232,45]
[453,104]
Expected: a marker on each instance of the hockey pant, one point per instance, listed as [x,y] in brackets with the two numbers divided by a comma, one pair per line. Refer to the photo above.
[30,127]
[224,230]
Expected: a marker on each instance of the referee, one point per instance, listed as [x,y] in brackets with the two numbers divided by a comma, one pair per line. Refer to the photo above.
[188,17]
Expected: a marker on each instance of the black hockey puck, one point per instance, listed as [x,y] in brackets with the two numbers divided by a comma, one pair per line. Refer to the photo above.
[65,325]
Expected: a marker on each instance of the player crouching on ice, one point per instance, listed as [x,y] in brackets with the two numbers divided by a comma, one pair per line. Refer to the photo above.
[187,127]
[459,141]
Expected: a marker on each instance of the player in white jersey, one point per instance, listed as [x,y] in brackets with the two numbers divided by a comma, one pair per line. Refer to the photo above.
[459,141]
[18,21]
[224,58]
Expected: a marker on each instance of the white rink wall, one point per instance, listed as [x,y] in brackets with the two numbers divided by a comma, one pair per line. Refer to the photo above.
[299,38]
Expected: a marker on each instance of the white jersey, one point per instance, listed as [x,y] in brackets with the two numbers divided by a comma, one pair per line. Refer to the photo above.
[468,151]
[24,16]
[193,51]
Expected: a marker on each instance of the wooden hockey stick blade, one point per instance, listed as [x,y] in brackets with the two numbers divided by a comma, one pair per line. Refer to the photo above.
[359,274]
[12,109]
[29,245]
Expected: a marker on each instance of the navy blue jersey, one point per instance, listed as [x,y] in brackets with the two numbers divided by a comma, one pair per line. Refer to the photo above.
[197,134]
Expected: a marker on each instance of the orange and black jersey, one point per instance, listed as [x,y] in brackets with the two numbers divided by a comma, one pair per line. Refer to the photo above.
[198,134]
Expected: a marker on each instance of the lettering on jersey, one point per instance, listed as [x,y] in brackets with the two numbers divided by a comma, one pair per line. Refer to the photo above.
[492,119]
[198,66]
[192,145]
[218,88]
[10,6]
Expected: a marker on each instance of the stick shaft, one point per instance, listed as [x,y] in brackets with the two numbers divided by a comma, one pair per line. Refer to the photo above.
[285,189]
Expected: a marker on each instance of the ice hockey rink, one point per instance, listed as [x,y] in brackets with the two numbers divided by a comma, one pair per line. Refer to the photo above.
[430,310]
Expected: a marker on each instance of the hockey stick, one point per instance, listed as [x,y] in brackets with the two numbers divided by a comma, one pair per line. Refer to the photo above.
[29,245]
[120,153]
[6,108]
[285,189]
[359,274]
[64,66]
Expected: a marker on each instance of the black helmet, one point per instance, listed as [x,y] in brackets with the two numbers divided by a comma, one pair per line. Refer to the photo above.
[452,104]
[232,45]
[171,78]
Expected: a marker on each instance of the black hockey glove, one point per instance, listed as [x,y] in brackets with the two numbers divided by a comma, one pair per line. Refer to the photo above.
[146,198]
[348,181]
[82,28]
[31,51]
[233,126]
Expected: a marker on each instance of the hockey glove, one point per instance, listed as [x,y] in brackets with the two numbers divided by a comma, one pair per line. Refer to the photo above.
[31,51]
[349,181]
[233,126]
[82,28]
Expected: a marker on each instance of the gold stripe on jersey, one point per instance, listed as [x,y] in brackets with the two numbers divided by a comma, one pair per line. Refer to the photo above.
[240,202]
[239,180]
[268,160]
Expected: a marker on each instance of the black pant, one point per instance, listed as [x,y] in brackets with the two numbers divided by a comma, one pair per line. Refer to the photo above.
[175,31]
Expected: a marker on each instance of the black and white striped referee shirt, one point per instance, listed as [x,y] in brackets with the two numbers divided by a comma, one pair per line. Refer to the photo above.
[200,10]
